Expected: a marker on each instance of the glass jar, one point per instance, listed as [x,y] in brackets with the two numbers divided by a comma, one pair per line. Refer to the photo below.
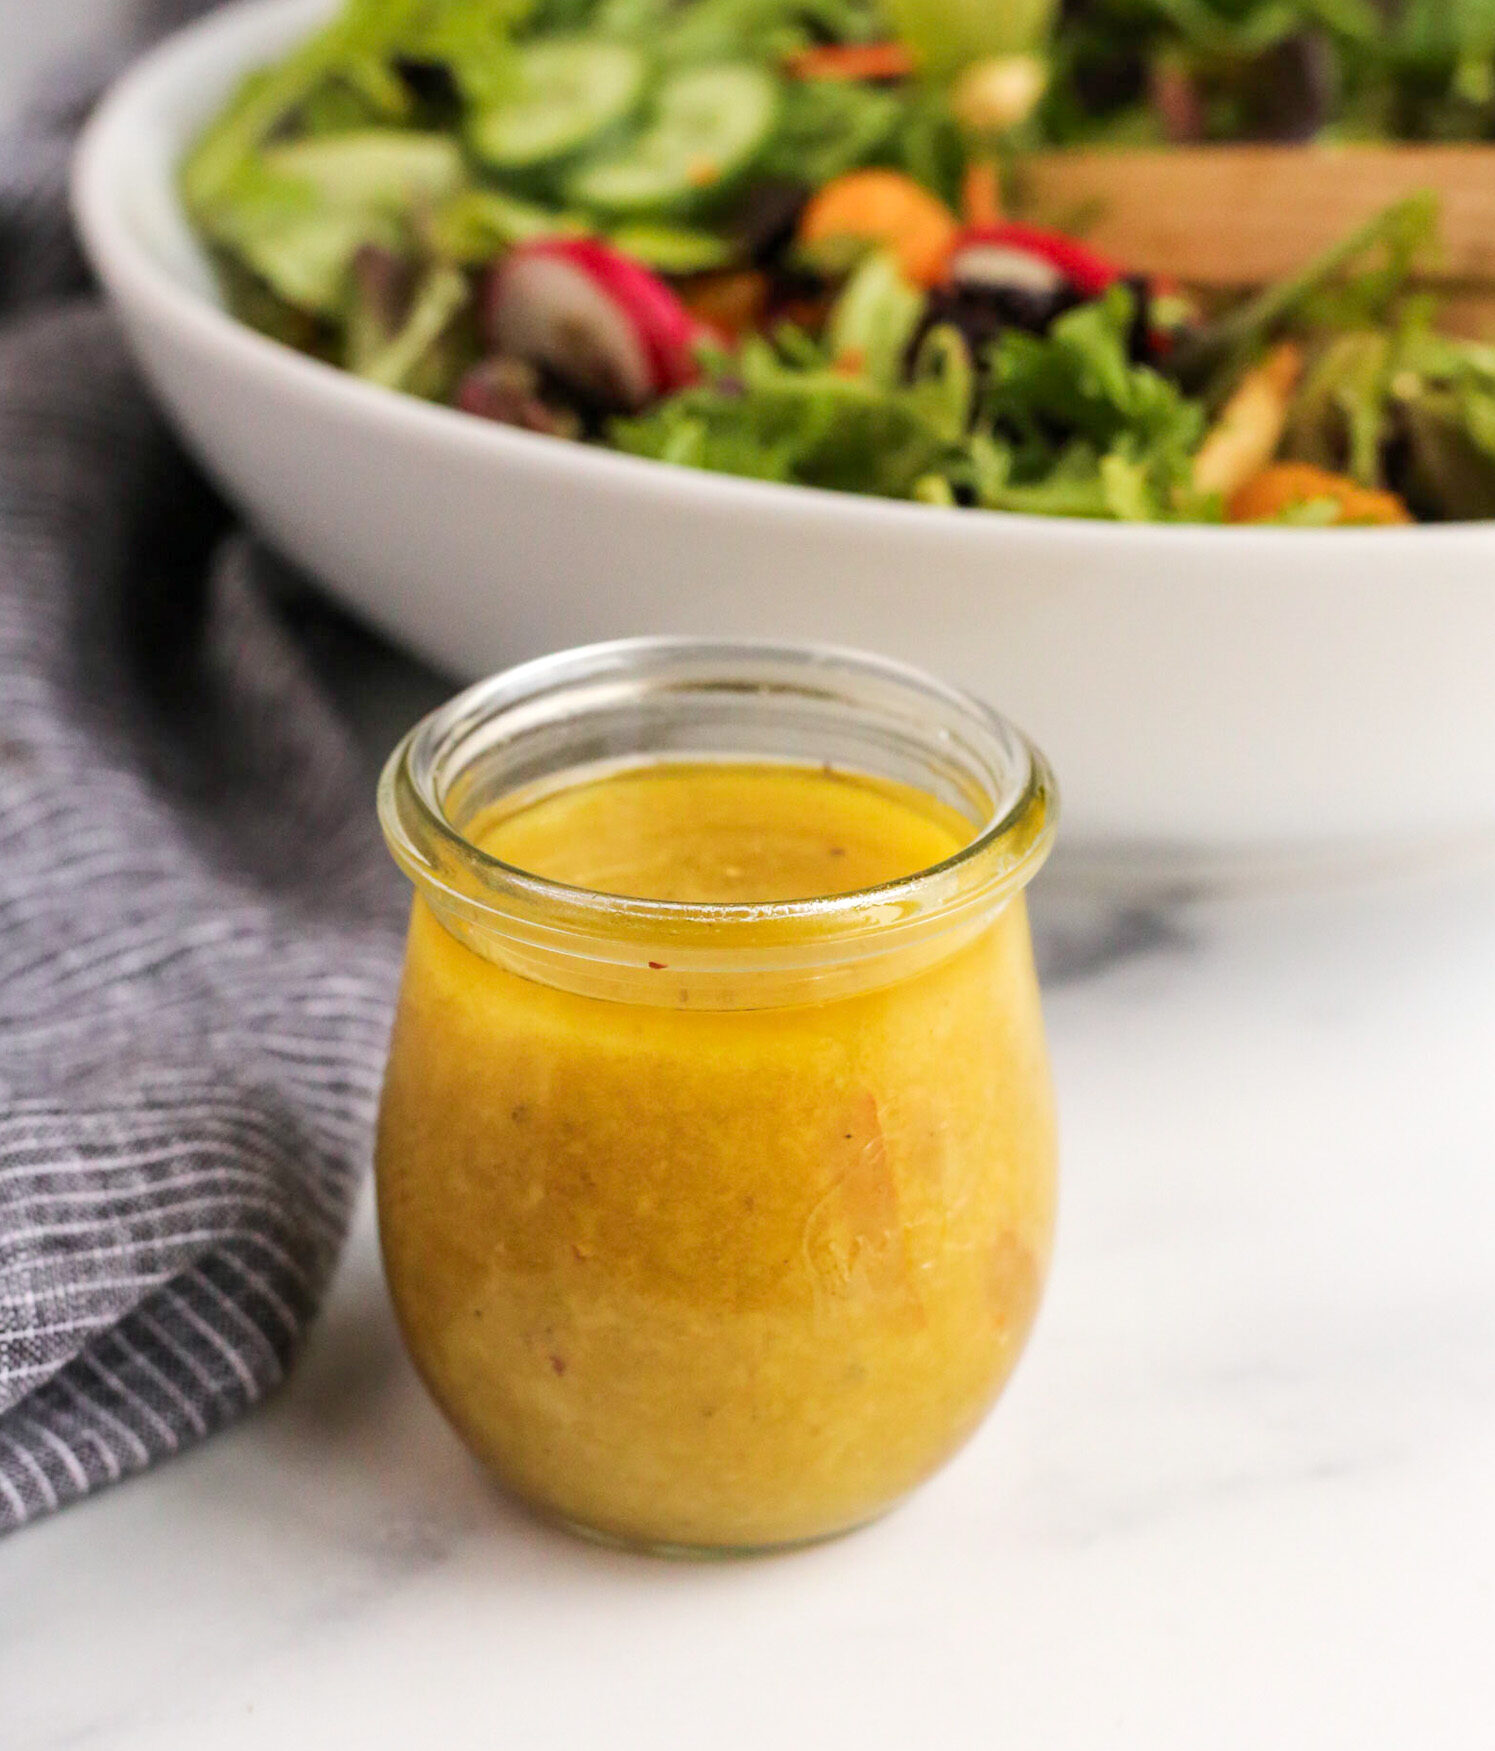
[716,1226]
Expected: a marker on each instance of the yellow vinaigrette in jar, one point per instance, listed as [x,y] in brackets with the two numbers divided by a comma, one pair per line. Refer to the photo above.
[718,1220]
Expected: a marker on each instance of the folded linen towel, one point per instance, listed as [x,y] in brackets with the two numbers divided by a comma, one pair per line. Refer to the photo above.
[199,932]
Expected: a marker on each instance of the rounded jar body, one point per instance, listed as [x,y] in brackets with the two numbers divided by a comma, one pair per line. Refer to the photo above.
[716,1226]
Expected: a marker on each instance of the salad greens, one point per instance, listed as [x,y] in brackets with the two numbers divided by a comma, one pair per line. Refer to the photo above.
[1063,425]
[725,234]
[1149,71]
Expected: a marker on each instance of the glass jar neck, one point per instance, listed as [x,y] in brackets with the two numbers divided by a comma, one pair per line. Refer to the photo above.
[657,700]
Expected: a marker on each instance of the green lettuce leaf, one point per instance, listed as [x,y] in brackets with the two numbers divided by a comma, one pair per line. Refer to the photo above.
[284,234]
[772,420]
[1070,412]
[1062,425]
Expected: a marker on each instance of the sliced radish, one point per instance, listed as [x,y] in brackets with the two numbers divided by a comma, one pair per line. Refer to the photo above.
[597,319]
[993,266]
[1031,258]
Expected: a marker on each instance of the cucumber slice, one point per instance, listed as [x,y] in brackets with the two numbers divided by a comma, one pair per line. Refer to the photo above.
[707,126]
[569,90]
[384,169]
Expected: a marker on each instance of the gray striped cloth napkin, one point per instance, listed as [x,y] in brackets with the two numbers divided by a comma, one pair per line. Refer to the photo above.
[199,932]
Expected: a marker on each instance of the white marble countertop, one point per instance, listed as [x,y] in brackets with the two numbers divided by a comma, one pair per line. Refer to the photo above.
[1239,1495]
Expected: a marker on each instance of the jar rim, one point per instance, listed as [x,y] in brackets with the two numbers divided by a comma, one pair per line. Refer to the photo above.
[1001,858]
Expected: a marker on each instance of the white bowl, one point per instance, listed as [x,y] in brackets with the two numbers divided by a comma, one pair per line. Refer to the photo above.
[1208,696]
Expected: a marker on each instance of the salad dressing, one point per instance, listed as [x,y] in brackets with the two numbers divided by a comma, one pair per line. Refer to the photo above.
[725,1278]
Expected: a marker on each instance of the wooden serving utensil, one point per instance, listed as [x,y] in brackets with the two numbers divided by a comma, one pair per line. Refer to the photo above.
[1231,217]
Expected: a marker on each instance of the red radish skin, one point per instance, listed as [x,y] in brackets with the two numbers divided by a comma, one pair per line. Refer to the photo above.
[1002,264]
[595,317]
[1086,269]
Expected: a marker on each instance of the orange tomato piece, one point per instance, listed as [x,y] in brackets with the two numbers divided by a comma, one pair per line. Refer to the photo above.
[1285,484]
[887,208]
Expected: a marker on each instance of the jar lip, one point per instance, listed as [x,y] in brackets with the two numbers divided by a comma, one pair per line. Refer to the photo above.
[410,779]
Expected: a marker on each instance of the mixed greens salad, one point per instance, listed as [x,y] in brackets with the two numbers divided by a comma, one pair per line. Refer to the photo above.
[767,237]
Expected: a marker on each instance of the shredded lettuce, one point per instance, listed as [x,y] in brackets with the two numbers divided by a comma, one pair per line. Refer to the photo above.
[1063,424]
[299,247]
[830,126]
[774,421]
[840,413]
[471,38]
[297,214]
[1403,407]
[418,357]
[1072,427]
[1361,278]
[1442,393]
[873,321]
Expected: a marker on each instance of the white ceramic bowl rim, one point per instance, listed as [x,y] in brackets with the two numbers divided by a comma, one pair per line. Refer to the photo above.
[108,156]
